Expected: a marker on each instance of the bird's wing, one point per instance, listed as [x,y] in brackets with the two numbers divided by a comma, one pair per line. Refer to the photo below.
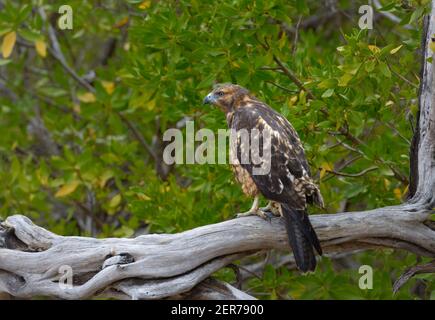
[289,175]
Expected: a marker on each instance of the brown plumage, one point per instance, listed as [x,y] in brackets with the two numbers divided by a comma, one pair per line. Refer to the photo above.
[288,184]
[244,178]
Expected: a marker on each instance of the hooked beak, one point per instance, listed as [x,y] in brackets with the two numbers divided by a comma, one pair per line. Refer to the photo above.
[208,99]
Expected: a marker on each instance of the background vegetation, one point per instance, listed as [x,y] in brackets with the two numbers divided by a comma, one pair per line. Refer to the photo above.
[83,111]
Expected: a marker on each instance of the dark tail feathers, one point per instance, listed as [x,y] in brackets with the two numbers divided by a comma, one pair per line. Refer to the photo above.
[302,237]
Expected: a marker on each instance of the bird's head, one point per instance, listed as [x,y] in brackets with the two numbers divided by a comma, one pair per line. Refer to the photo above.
[226,96]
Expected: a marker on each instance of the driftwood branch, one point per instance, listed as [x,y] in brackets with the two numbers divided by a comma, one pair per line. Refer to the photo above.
[33,260]
[167,265]
[420,269]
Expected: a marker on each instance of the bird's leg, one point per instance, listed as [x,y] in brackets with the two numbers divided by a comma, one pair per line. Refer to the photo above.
[267,208]
[255,209]
[272,208]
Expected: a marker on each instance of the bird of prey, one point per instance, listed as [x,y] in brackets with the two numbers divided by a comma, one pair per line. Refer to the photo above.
[288,185]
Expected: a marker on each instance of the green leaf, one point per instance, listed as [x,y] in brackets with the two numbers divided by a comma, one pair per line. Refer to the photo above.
[328,93]
[30,34]
[4,61]
[393,51]
[67,189]
[206,82]
[344,79]
[328,83]
[416,14]
[115,201]
[53,92]
[384,69]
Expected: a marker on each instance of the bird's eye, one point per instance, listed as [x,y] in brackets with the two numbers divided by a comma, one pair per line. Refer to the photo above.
[220,93]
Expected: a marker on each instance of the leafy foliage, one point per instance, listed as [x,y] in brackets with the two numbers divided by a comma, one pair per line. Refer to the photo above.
[83,158]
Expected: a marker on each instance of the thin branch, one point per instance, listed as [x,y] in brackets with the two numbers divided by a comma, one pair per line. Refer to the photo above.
[138,136]
[52,35]
[281,87]
[295,41]
[353,175]
[392,127]
[345,132]
[343,166]
[401,77]
[346,146]
[349,162]
[398,175]
[293,78]
[245,269]
[71,72]
[56,52]
[408,274]
[269,68]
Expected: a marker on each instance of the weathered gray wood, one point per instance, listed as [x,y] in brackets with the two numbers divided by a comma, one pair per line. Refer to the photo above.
[212,289]
[419,269]
[426,133]
[170,265]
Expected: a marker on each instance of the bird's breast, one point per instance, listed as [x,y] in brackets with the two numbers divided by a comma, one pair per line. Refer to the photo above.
[244,178]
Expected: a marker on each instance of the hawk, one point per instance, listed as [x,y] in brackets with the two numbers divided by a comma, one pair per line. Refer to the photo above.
[288,184]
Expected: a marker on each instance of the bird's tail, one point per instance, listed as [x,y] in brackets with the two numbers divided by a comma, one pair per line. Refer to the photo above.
[302,237]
